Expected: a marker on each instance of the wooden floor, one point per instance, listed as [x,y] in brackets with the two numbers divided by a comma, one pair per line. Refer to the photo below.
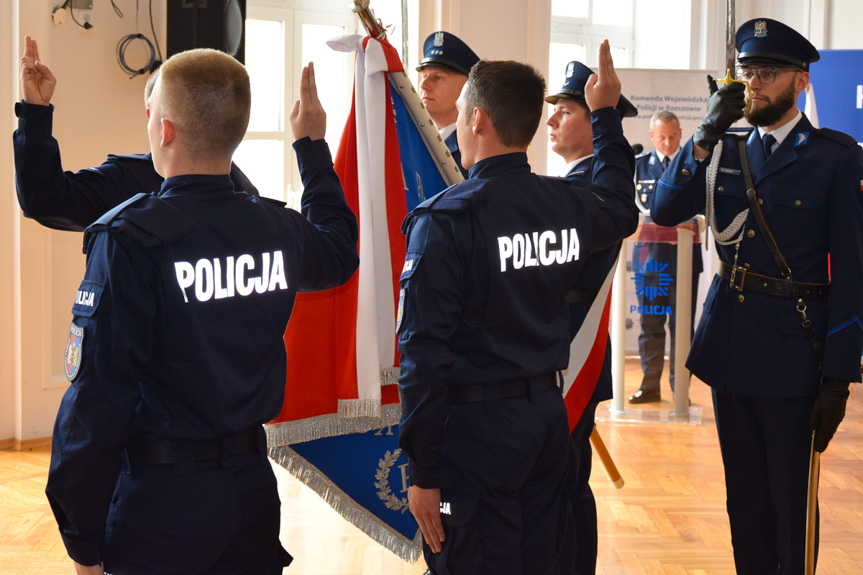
[668,519]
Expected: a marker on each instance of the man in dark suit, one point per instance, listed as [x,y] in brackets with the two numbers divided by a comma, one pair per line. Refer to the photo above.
[780,337]
[446,63]
[571,137]
[665,135]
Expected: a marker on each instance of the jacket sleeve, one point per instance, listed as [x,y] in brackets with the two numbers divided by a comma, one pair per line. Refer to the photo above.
[430,304]
[104,367]
[844,341]
[681,191]
[67,200]
[331,255]
[613,184]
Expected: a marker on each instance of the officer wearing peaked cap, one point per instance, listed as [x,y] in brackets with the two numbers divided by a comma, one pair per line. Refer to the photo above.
[571,137]
[781,334]
[444,69]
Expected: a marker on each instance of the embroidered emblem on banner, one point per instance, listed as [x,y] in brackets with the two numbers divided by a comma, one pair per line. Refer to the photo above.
[385,492]
[438,39]
[73,351]
[760,29]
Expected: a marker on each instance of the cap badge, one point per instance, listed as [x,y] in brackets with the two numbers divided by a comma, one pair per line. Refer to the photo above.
[438,39]
[760,29]
[570,69]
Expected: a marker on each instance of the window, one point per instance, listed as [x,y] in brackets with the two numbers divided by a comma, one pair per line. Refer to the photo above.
[578,27]
[279,42]
[281,38]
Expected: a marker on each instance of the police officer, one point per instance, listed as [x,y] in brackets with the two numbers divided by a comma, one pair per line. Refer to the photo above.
[780,336]
[665,134]
[484,325]
[571,136]
[446,63]
[175,353]
[66,200]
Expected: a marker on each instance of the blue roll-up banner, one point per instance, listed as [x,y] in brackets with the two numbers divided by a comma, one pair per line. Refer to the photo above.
[837,79]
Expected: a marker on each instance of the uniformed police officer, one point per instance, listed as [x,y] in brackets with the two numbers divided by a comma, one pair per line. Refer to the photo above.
[446,62]
[665,134]
[66,200]
[780,336]
[175,353]
[571,136]
[484,325]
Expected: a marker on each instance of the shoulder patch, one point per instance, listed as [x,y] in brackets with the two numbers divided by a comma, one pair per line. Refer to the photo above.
[150,220]
[74,351]
[87,298]
[840,137]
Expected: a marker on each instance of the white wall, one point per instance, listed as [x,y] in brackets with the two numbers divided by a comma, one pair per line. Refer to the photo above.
[99,110]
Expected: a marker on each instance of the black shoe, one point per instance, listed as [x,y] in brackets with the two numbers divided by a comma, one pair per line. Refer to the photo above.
[642,396]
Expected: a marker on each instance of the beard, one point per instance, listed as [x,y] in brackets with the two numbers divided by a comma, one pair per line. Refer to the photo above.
[773,111]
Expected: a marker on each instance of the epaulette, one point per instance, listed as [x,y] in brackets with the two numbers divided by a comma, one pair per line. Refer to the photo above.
[642,155]
[455,198]
[132,157]
[147,218]
[840,137]
[266,200]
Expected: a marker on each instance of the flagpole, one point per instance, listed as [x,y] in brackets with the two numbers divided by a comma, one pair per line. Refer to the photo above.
[373,26]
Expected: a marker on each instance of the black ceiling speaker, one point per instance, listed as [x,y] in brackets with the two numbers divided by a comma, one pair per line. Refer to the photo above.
[218,24]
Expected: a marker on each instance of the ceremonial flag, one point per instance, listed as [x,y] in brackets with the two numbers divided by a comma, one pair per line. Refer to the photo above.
[338,428]
[587,353]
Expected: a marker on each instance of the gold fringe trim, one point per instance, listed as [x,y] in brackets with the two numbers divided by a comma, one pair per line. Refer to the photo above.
[407,549]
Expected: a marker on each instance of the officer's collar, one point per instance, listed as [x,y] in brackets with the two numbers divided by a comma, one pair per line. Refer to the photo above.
[515,163]
[196,184]
[782,132]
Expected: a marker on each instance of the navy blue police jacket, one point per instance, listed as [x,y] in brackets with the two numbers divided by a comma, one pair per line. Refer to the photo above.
[811,188]
[74,200]
[487,269]
[648,171]
[177,329]
[596,269]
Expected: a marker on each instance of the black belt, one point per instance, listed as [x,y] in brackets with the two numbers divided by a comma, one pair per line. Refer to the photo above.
[744,279]
[145,451]
[578,295]
[508,389]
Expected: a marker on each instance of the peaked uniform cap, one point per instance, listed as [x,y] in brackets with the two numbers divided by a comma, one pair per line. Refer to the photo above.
[447,51]
[766,41]
[573,89]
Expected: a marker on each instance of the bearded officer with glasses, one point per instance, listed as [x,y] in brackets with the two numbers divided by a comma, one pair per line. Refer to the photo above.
[780,337]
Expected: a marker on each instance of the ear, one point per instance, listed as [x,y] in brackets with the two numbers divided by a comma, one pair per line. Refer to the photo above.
[169,132]
[480,120]
[801,81]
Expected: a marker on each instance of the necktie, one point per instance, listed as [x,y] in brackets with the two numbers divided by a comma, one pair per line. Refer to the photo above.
[665,162]
[767,141]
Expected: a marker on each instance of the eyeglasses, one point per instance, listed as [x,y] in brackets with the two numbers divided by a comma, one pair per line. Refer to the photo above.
[765,75]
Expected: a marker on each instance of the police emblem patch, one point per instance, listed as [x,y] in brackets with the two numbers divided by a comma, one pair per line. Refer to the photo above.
[400,310]
[74,349]
[438,39]
[570,69]
[802,139]
[760,29]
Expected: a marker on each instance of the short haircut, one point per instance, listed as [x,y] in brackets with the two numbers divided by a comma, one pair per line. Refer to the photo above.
[663,116]
[512,94]
[206,94]
[151,82]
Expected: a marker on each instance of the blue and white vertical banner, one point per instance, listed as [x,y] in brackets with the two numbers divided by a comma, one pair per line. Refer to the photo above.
[837,82]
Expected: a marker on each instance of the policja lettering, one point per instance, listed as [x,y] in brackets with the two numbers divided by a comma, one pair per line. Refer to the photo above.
[529,250]
[211,281]
[85,298]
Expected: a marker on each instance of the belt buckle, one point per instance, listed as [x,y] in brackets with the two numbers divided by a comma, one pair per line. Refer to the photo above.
[731,280]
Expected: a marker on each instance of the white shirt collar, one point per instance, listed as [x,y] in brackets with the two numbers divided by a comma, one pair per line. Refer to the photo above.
[446,131]
[782,132]
[569,167]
